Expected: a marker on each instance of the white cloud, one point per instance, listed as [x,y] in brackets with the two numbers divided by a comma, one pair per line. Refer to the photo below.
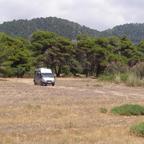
[98,14]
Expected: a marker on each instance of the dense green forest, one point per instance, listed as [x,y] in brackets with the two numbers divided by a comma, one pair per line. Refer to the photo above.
[87,55]
[60,26]
[25,28]
[135,32]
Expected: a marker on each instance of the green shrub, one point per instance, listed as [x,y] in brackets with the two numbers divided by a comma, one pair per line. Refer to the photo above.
[128,110]
[138,129]
[66,70]
[124,77]
[117,67]
[118,77]
[106,77]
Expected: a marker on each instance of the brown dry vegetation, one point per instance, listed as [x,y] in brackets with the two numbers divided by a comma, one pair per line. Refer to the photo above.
[68,113]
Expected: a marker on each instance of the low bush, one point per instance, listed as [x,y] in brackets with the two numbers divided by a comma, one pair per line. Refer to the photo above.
[103,110]
[138,69]
[138,129]
[106,77]
[118,77]
[134,80]
[128,110]
[130,79]
[116,67]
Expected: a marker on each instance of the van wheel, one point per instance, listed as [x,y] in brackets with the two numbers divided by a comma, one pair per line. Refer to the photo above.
[35,83]
[41,84]
[53,84]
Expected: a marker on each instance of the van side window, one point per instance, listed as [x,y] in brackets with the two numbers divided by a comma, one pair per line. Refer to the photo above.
[37,74]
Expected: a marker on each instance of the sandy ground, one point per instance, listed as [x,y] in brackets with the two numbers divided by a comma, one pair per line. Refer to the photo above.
[68,113]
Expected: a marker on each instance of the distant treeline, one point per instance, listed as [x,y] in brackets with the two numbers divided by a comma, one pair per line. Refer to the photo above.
[68,29]
[86,55]
[25,28]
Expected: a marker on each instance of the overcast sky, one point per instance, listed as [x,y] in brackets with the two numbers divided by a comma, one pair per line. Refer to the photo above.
[97,14]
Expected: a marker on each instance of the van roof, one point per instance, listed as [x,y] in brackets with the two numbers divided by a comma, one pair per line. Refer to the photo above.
[44,70]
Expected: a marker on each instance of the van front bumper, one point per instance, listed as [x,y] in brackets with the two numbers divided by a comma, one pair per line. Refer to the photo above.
[48,82]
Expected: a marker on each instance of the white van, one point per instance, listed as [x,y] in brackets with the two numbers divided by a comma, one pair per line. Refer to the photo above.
[44,76]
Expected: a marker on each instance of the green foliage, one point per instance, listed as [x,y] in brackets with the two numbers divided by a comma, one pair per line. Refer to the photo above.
[53,51]
[113,68]
[75,66]
[66,70]
[133,31]
[129,78]
[138,129]
[65,28]
[128,110]
[113,57]
[124,76]
[70,29]
[92,53]
[117,77]
[15,57]
[106,77]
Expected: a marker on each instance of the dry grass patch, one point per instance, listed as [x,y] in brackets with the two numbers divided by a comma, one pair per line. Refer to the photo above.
[68,113]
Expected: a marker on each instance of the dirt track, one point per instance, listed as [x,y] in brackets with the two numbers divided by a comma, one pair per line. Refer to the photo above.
[65,113]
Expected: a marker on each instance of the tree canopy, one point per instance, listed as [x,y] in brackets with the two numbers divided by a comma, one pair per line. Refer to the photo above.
[87,55]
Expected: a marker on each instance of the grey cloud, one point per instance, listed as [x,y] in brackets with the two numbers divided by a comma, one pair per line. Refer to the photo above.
[128,3]
[98,14]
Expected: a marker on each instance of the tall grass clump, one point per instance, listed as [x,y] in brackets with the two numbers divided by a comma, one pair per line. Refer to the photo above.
[134,80]
[115,72]
[128,110]
[138,69]
[123,74]
[136,75]
[103,110]
[106,77]
[138,129]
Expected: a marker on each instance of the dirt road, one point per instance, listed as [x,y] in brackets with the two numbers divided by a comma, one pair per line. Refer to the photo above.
[66,113]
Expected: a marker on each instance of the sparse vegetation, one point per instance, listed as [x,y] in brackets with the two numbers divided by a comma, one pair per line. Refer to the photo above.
[103,110]
[70,113]
[138,129]
[128,110]
[73,112]
[129,78]
[134,80]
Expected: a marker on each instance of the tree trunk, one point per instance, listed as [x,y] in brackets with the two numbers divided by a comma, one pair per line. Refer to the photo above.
[58,71]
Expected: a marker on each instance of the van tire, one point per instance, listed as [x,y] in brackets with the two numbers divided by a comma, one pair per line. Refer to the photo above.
[41,83]
[35,83]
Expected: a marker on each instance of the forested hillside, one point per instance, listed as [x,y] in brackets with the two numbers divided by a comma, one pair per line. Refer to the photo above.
[91,53]
[25,28]
[62,27]
[134,32]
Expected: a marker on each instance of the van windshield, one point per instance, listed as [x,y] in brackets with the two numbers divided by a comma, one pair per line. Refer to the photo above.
[47,75]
